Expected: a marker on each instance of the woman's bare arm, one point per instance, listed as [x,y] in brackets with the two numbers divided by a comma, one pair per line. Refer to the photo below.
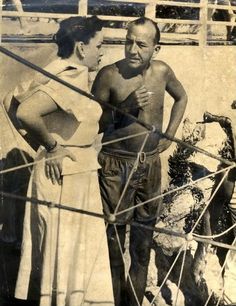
[30,113]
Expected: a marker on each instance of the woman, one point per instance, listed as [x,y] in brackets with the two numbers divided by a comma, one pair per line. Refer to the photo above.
[64,254]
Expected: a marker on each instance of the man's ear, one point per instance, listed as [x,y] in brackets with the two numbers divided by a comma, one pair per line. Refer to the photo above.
[79,49]
[156,49]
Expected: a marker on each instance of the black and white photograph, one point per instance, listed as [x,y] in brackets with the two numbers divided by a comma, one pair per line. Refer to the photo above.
[117,153]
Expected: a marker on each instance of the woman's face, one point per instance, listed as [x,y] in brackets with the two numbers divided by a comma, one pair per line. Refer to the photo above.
[93,52]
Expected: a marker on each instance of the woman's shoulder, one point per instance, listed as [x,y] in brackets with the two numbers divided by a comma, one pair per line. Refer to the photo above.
[58,66]
[63,69]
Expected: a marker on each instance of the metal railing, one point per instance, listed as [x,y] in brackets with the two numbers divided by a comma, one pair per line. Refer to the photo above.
[206,11]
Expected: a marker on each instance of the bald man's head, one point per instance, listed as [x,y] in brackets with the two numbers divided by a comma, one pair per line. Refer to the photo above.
[153,25]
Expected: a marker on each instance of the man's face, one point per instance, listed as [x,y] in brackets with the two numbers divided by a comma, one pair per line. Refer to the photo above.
[140,45]
[93,52]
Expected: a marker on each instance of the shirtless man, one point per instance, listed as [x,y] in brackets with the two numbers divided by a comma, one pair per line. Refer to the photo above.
[137,85]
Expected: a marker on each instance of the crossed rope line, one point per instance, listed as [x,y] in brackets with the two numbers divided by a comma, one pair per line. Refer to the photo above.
[188,237]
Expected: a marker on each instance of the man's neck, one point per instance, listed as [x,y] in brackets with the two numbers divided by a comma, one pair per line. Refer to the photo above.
[132,72]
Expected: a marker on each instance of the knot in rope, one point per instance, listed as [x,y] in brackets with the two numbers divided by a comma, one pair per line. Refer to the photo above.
[189,237]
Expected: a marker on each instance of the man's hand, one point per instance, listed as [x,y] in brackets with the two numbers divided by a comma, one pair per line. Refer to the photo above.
[163,145]
[139,98]
[53,163]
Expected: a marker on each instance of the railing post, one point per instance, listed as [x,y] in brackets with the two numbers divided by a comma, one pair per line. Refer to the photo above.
[150,10]
[83,7]
[203,21]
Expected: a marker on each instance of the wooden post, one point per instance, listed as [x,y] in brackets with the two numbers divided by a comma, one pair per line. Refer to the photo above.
[83,7]
[19,8]
[203,21]
[150,10]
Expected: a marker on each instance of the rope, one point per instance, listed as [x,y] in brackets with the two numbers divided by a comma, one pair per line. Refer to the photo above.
[76,146]
[220,273]
[219,299]
[67,207]
[16,140]
[50,204]
[90,213]
[176,189]
[209,201]
[118,205]
[101,216]
[20,167]
[217,235]
[121,138]
[130,175]
[167,274]
[74,88]
[123,258]
[169,192]
[188,236]
[149,127]
[181,272]
[136,163]
[93,266]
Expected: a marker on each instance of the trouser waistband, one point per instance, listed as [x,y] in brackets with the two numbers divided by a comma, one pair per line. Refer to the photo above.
[142,156]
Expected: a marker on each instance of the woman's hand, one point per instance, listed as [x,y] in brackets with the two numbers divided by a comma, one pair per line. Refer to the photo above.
[53,163]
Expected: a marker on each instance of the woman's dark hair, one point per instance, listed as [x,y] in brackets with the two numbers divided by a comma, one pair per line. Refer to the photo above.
[75,29]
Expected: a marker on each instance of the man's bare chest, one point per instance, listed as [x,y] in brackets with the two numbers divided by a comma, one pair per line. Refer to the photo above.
[122,88]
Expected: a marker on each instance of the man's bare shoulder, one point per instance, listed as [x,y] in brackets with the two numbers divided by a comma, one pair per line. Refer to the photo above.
[110,70]
[106,79]
[109,76]
[160,67]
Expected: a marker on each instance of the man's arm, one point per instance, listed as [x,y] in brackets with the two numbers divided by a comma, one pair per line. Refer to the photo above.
[101,89]
[177,92]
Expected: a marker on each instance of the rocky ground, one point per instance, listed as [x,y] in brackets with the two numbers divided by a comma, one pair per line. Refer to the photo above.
[181,210]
